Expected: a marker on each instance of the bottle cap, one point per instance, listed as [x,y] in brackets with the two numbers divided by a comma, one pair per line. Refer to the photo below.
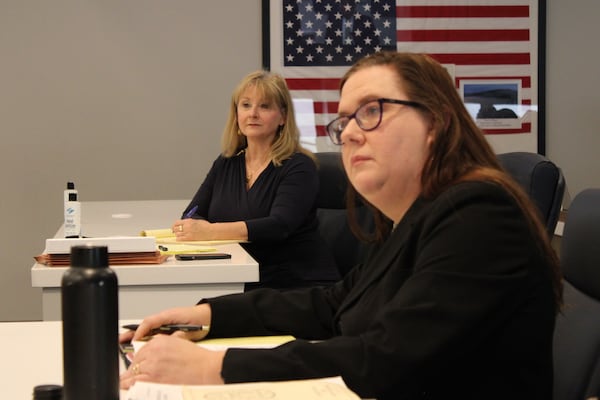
[70,185]
[47,392]
[89,256]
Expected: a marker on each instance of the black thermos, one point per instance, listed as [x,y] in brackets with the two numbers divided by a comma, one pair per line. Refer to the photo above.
[90,326]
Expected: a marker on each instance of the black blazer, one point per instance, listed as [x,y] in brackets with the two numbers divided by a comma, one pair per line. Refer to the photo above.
[457,303]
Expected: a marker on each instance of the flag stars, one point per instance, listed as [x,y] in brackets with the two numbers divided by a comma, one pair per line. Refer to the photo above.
[335,32]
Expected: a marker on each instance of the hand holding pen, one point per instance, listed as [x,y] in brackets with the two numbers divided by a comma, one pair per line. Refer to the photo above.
[179,227]
[192,332]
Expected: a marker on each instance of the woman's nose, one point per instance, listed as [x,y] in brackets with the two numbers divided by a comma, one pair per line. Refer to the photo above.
[254,111]
[352,133]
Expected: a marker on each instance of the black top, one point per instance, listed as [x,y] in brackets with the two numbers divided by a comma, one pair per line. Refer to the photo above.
[280,213]
[456,304]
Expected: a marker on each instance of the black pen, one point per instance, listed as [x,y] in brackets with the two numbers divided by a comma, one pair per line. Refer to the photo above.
[125,349]
[169,328]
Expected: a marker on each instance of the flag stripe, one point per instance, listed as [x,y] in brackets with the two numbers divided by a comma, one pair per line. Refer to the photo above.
[525,128]
[313,83]
[462,23]
[462,11]
[483,58]
[462,35]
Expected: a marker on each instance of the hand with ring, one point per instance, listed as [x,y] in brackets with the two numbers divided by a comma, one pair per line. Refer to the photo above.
[172,359]
[191,229]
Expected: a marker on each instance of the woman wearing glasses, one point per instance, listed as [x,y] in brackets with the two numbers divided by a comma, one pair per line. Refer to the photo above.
[457,300]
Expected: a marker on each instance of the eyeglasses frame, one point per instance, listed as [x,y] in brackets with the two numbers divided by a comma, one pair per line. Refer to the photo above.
[335,137]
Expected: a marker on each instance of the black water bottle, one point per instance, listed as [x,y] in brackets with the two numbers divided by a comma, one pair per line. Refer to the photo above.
[90,326]
[47,392]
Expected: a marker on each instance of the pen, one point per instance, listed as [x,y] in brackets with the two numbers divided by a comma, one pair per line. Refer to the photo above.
[170,328]
[124,350]
[191,212]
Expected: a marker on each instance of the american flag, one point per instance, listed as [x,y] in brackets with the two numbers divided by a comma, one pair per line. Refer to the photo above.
[476,39]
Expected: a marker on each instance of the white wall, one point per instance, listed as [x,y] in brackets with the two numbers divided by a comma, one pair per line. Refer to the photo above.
[126,98]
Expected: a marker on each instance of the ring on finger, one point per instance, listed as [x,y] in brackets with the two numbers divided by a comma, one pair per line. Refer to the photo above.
[135,369]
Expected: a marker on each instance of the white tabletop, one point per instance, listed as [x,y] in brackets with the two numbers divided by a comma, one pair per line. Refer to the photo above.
[32,355]
[149,288]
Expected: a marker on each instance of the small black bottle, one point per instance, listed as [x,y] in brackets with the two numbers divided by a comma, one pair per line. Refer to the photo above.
[89,298]
[47,392]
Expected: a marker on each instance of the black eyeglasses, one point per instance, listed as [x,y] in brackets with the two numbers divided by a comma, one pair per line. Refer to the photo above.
[368,117]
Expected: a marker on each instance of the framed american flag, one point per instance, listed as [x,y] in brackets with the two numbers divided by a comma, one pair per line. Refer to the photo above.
[494,49]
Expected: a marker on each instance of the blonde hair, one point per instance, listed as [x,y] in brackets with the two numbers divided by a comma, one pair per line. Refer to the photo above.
[273,89]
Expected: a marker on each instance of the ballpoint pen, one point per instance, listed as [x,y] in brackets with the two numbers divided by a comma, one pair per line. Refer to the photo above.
[191,212]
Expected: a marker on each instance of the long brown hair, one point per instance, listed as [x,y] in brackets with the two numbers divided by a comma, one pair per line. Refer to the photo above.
[459,151]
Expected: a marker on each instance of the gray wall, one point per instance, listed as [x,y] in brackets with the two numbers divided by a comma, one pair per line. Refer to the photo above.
[573,92]
[128,99]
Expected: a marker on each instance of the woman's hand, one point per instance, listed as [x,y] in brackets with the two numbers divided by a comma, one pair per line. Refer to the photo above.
[195,315]
[171,359]
[192,229]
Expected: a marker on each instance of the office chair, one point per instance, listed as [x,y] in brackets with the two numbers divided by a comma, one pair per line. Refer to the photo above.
[577,333]
[541,179]
[332,215]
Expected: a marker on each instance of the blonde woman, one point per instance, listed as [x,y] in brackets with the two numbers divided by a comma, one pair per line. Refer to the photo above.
[262,189]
